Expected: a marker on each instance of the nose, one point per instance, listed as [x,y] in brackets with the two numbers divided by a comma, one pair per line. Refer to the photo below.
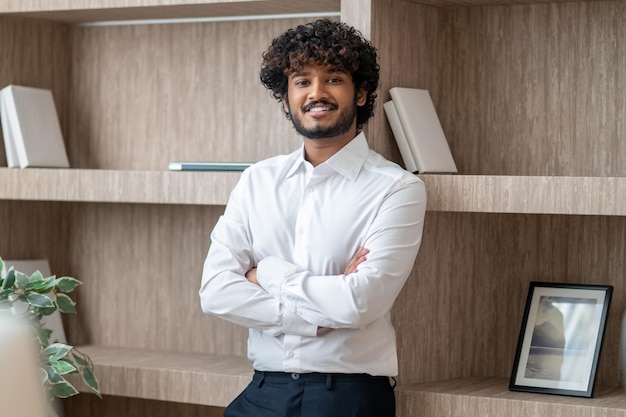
[317,90]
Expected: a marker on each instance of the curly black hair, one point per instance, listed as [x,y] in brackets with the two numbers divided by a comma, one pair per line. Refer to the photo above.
[333,45]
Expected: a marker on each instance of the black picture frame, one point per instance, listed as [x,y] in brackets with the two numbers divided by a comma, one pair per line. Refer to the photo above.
[560,338]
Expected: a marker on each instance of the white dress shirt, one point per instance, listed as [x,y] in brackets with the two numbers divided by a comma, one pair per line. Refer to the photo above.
[300,225]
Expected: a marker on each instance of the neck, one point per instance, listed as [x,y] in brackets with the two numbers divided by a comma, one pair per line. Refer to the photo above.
[318,151]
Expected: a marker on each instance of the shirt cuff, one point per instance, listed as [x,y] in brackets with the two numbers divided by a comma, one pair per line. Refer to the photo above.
[294,324]
[271,272]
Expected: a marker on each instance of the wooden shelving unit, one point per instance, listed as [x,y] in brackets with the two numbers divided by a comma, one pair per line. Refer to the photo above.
[529,96]
[169,376]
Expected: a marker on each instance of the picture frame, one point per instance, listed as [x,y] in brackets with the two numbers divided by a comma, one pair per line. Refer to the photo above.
[560,338]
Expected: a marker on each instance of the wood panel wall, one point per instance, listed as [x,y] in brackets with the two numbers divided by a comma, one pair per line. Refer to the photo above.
[519,89]
[151,94]
[35,54]
[142,266]
[460,312]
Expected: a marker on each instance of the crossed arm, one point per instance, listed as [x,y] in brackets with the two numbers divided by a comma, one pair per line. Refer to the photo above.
[359,256]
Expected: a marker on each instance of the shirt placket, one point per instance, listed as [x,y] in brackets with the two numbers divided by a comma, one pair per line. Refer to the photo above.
[292,355]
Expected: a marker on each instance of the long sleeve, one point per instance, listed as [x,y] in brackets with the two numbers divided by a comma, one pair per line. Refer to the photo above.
[356,300]
[227,293]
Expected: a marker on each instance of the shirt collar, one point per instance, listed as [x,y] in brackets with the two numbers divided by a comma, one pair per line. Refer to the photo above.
[347,161]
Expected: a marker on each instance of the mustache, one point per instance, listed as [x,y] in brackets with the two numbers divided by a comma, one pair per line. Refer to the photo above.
[311,104]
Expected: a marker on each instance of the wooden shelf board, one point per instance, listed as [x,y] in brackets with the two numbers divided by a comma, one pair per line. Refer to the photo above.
[490,397]
[470,3]
[453,193]
[82,11]
[108,186]
[527,194]
[190,378]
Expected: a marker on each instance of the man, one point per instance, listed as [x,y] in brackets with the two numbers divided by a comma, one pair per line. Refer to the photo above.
[314,247]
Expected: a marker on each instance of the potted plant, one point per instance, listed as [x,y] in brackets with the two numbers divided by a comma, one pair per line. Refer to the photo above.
[40,296]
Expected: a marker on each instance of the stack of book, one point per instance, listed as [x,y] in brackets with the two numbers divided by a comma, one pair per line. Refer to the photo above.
[418,132]
[31,129]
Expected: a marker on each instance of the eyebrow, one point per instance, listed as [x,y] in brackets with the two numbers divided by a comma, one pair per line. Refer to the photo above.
[305,73]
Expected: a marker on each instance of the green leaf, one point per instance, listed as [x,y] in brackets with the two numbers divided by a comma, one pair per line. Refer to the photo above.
[45,286]
[81,359]
[44,335]
[57,350]
[21,280]
[53,376]
[36,276]
[9,280]
[46,311]
[1,265]
[38,300]
[92,381]
[67,284]
[62,366]
[63,389]
[4,297]
[65,304]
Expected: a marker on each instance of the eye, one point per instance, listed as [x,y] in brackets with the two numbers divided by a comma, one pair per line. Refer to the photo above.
[301,83]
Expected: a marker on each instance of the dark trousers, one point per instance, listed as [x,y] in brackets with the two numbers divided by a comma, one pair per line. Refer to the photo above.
[277,394]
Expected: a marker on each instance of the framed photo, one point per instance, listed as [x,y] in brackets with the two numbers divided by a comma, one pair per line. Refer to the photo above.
[560,338]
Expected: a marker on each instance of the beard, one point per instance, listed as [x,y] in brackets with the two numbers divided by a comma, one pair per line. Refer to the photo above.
[343,124]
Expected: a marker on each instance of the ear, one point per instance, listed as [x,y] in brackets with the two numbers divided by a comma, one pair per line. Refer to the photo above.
[361,97]
[285,102]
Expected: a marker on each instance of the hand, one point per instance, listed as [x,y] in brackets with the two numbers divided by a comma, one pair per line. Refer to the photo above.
[251,276]
[358,257]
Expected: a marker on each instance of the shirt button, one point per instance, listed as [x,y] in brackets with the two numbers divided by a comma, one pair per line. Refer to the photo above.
[295,377]
[290,355]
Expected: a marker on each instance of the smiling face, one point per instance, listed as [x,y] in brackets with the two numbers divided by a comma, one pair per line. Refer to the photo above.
[322,103]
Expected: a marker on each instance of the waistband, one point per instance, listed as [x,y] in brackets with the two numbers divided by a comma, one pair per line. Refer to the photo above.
[326,378]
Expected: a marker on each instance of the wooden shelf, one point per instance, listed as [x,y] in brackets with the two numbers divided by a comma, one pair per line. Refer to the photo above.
[171,376]
[470,3]
[109,186]
[168,376]
[455,193]
[81,11]
[527,195]
[490,397]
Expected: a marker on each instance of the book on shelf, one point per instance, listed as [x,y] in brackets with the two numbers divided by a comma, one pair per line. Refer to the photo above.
[418,132]
[31,129]
[208,166]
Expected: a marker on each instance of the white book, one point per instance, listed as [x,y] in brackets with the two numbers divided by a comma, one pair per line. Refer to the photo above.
[422,129]
[398,133]
[9,146]
[30,119]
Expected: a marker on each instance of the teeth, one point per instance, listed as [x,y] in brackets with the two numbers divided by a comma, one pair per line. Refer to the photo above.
[318,109]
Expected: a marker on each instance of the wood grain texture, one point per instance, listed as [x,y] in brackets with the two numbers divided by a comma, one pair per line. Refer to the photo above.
[25,49]
[536,195]
[460,312]
[489,397]
[187,92]
[478,3]
[202,379]
[141,267]
[89,11]
[460,193]
[92,406]
[116,186]
[520,90]
[534,89]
